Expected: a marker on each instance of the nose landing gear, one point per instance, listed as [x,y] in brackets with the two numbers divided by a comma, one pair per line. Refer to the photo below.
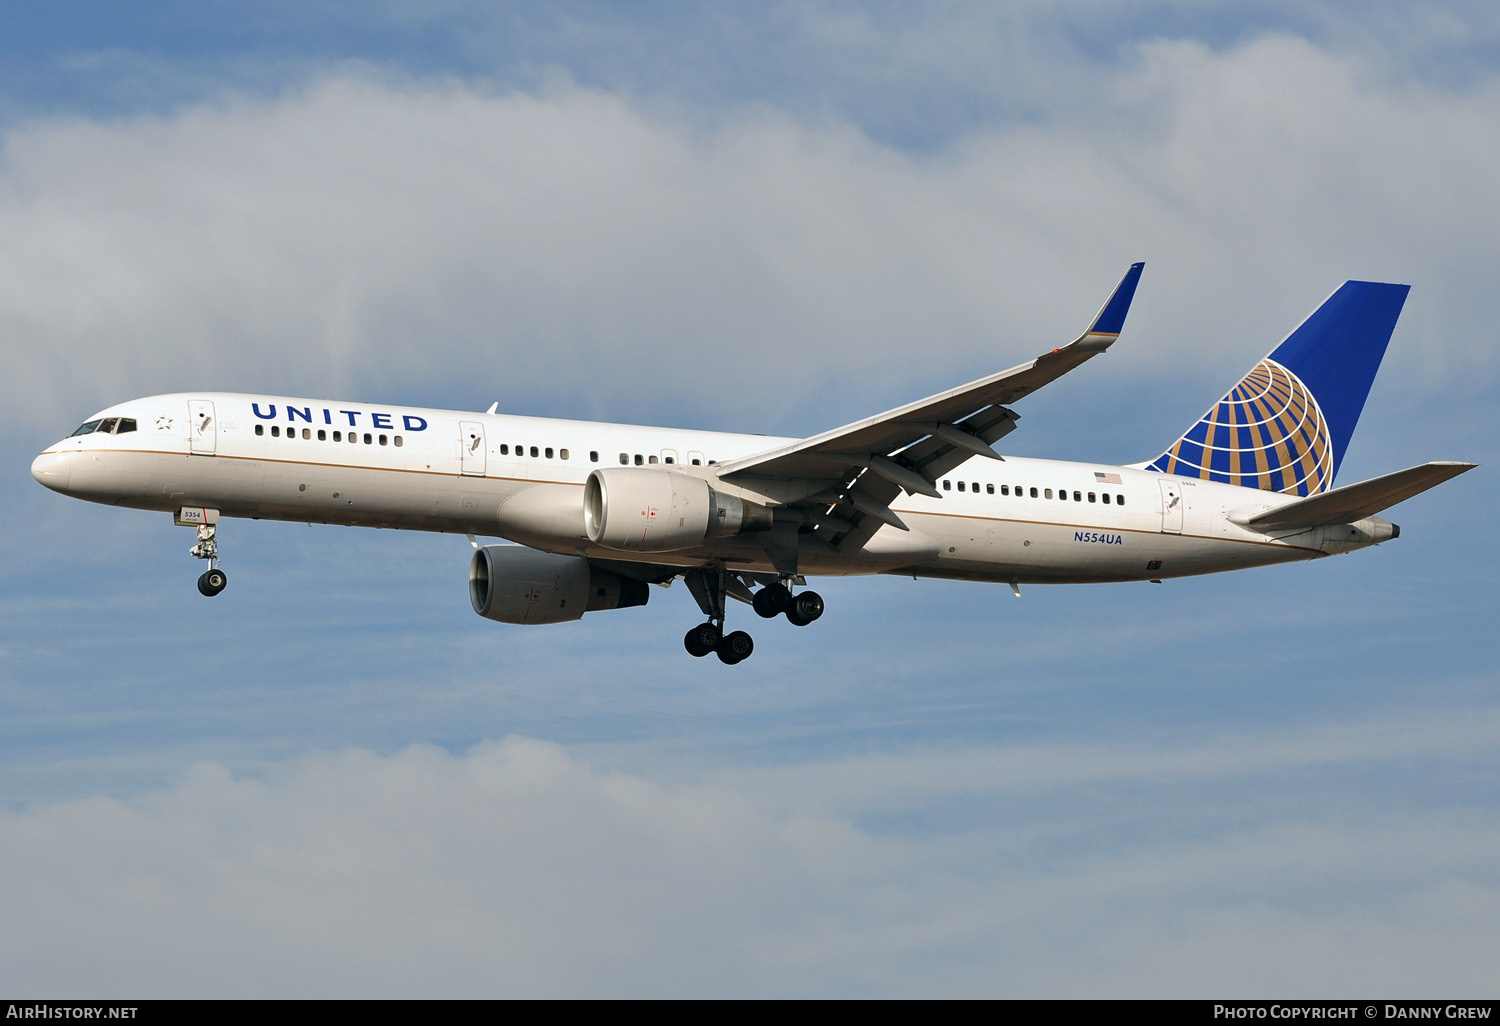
[213,580]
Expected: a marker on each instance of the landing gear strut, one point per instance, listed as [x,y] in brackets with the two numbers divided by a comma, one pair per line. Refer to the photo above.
[213,580]
[710,587]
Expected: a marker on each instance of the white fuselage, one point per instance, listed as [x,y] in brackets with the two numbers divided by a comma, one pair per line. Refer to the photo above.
[522,478]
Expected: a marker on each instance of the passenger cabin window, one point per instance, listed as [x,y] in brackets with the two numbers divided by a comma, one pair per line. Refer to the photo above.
[697,463]
[1049,493]
[398,441]
[651,459]
[275,430]
[322,435]
[382,440]
[1005,489]
[1119,500]
[504,448]
[989,489]
[534,452]
[947,486]
[1091,496]
[549,452]
[563,453]
[1033,493]
[260,429]
[1105,497]
[975,487]
[1077,496]
[368,440]
[593,455]
[624,460]
[307,434]
[960,486]
[638,459]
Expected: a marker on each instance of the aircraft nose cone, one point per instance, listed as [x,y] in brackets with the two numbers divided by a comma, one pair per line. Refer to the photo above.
[53,469]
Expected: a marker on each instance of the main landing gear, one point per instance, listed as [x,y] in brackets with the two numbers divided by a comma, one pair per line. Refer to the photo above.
[775,599]
[710,587]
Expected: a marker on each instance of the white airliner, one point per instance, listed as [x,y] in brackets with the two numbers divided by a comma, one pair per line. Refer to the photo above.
[602,510]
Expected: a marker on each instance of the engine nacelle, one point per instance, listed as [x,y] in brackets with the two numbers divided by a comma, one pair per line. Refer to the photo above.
[649,510]
[514,584]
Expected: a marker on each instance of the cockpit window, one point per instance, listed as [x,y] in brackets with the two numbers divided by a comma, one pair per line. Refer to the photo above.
[107,425]
[126,424]
[86,428]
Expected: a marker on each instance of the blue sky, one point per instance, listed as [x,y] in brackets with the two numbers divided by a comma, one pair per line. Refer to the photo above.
[334,779]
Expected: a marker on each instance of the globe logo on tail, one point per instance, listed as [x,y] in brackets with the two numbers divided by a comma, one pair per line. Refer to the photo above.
[1267,433]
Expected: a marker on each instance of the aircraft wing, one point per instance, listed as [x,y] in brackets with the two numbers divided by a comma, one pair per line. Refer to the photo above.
[1353,502]
[910,447]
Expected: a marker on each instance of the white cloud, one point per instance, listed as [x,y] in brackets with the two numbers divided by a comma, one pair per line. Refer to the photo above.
[385,236]
[516,869]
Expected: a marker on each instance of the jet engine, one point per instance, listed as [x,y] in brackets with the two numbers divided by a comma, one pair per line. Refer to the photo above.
[514,584]
[648,510]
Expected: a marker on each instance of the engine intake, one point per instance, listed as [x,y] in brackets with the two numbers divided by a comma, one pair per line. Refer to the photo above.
[514,584]
[644,510]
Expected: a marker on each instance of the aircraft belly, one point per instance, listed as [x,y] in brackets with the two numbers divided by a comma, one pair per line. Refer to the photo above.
[161,481]
[287,490]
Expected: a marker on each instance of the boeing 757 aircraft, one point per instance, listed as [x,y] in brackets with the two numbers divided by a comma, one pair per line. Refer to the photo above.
[601,511]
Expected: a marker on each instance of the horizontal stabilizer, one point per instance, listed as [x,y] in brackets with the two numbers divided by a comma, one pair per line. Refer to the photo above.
[1354,502]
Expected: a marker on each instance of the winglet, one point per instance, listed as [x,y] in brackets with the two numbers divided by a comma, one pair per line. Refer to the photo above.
[1111,318]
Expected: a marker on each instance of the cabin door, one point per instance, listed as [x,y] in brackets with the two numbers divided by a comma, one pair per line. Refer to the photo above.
[201,426]
[1171,506]
[471,448]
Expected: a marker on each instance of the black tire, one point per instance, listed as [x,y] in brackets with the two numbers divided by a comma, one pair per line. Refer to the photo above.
[805,608]
[701,640]
[772,600]
[735,647]
[212,582]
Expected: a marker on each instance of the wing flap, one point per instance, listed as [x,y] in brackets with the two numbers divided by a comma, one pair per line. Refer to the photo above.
[1353,502]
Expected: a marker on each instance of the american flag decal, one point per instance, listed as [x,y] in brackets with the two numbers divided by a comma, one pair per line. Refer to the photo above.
[1106,478]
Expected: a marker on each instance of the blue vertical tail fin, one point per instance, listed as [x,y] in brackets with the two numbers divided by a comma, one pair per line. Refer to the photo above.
[1286,425]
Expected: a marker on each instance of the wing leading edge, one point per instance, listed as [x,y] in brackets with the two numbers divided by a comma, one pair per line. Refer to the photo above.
[855,471]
